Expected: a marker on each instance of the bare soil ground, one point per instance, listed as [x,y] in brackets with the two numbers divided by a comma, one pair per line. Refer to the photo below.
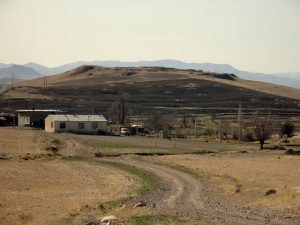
[220,187]
[231,180]
[46,192]
[191,199]
[252,175]
[50,190]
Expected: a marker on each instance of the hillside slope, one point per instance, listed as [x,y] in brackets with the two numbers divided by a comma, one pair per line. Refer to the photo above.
[90,72]
[152,88]
[286,79]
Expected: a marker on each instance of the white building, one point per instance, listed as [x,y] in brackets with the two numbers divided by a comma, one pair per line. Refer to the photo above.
[76,123]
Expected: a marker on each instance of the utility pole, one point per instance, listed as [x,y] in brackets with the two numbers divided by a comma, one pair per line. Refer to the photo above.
[220,135]
[240,121]
[14,121]
[137,121]
[12,80]
[196,121]
[45,81]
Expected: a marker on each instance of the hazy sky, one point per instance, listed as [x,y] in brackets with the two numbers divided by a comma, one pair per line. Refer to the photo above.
[254,35]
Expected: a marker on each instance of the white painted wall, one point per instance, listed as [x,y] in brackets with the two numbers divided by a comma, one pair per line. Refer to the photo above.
[73,127]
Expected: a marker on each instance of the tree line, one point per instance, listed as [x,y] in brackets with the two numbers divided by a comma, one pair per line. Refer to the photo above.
[260,124]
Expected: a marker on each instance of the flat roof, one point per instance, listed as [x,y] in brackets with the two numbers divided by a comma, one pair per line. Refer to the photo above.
[78,118]
[38,110]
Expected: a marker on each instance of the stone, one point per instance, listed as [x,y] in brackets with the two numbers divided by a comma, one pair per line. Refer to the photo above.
[270,192]
[140,204]
[74,214]
[92,223]
[107,220]
[100,206]
[237,191]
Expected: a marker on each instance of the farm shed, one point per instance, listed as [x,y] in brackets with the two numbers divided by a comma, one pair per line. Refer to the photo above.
[34,117]
[7,119]
[85,124]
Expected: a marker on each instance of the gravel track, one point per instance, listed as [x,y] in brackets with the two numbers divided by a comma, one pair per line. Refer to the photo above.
[182,194]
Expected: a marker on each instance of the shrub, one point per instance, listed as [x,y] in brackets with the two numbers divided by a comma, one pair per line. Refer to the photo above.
[287,129]
[98,155]
[235,136]
[209,132]
[248,136]
[292,152]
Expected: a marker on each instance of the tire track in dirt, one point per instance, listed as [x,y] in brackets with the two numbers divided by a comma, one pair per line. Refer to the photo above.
[181,193]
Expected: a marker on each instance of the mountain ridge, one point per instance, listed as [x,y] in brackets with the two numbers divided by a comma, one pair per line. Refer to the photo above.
[19,72]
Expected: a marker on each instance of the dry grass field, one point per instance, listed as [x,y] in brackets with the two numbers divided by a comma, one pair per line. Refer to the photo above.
[73,187]
[42,189]
[17,142]
[227,166]
[250,174]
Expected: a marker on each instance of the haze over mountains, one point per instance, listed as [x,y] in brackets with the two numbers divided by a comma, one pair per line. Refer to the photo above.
[33,70]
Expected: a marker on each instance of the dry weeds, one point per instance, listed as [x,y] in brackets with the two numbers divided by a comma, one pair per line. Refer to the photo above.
[253,175]
[52,190]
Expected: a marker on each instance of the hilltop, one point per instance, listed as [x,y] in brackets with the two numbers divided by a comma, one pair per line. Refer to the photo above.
[149,88]
[286,79]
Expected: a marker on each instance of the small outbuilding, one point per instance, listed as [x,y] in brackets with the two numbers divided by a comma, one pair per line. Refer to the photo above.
[34,117]
[7,119]
[84,124]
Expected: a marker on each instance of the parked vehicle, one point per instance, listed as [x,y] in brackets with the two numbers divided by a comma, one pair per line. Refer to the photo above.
[125,131]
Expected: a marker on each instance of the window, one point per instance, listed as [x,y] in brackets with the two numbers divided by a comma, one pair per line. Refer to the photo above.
[62,125]
[51,124]
[81,125]
[94,125]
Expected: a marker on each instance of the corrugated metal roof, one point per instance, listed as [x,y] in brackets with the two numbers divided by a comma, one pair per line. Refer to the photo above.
[38,110]
[78,118]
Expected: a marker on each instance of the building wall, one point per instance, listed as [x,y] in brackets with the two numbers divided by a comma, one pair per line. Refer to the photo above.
[48,122]
[73,127]
[34,118]
[23,119]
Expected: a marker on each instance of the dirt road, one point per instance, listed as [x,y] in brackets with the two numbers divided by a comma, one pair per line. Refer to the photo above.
[189,197]
[182,194]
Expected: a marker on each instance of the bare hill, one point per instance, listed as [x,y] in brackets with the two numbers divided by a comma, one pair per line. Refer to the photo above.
[150,88]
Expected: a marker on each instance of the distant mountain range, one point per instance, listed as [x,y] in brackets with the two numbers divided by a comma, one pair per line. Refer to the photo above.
[33,70]
[19,73]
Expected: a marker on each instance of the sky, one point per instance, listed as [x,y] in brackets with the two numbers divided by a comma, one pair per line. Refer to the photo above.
[256,35]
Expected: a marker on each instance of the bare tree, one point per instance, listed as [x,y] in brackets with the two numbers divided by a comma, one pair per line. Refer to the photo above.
[155,121]
[184,122]
[158,122]
[118,110]
[223,130]
[168,124]
[262,127]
